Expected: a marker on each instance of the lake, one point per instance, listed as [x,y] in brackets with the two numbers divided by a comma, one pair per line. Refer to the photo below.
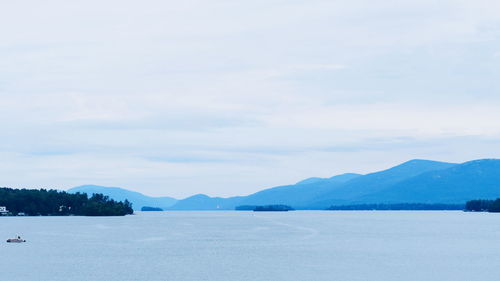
[232,246]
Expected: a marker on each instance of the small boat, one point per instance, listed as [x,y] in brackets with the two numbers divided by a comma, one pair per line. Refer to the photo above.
[16,240]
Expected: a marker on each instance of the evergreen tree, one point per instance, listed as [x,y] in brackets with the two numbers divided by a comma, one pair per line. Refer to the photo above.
[44,202]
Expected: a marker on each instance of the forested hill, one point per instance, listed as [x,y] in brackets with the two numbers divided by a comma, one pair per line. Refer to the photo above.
[416,183]
[35,202]
[137,199]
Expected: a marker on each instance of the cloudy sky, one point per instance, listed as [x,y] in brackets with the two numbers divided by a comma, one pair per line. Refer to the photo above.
[226,97]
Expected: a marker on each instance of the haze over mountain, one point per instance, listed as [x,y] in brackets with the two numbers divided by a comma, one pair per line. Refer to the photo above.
[351,191]
[137,199]
[300,194]
[478,179]
[421,181]
[202,202]
[415,181]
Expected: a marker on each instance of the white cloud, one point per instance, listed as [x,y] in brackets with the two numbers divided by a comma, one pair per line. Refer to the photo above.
[226,97]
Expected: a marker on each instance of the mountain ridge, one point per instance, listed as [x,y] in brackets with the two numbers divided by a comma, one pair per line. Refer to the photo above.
[377,181]
[414,181]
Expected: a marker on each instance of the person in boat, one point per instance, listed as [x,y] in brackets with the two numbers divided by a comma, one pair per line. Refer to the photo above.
[16,240]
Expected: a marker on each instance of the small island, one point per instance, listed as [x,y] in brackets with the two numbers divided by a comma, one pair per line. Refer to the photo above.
[492,206]
[273,208]
[42,202]
[151,209]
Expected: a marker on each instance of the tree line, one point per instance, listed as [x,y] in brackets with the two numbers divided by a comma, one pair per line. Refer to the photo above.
[398,207]
[266,208]
[492,206]
[42,202]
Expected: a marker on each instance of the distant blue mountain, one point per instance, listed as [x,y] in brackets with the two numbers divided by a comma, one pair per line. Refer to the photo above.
[340,179]
[201,202]
[310,180]
[415,181]
[352,190]
[479,179]
[320,193]
[297,195]
[137,199]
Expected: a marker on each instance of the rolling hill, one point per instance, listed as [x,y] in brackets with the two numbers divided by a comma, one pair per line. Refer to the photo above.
[479,179]
[351,191]
[299,194]
[137,199]
[320,193]
[415,181]
[202,202]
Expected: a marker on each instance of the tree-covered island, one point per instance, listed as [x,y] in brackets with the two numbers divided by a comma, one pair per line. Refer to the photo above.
[42,202]
[151,209]
[492,206]
[266,208]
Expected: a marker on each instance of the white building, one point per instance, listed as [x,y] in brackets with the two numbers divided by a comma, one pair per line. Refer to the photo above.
[3,210]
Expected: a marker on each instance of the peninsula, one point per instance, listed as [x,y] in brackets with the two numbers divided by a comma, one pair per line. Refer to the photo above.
[42,202]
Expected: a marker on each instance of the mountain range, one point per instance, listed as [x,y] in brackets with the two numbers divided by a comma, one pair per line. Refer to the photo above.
[415,181]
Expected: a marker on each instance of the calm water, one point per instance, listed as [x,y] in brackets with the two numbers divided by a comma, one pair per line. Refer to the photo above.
[231,246]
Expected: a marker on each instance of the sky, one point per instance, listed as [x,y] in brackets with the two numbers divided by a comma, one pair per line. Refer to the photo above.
[175,98]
